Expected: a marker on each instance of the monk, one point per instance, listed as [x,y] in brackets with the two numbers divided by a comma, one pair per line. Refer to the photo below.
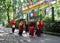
[21,28]
[42,25]
[26,26]
[31,29]
[38,30]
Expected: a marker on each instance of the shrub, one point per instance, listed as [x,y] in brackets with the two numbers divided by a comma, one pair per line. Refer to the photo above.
[52,27]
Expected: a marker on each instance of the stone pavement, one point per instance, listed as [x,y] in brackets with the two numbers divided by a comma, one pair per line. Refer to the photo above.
[7,37]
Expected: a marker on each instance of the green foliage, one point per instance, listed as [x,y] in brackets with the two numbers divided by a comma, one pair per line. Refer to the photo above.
[47,18]
[52,27]
[8,26]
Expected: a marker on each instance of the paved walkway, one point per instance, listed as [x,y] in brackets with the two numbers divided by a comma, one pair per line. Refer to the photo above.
[7,37]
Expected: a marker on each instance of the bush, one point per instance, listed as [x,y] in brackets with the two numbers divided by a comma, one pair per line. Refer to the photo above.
[8,26]
[52,27]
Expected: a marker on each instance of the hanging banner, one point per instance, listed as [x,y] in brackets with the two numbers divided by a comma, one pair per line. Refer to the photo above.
[58,1]
[34,14]
[31,15]
[40,12]
[49,0]
[30,3]
[32,7]
[37,5]
[37,13]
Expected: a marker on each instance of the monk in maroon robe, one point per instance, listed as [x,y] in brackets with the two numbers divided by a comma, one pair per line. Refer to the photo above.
[38,30]
[26,26]
[21,28]
[41,26]
[31,29]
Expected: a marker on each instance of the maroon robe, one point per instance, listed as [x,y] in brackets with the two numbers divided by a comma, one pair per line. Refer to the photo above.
[38,31]
[41,26]
[31,29]
[26,27]
[21,30]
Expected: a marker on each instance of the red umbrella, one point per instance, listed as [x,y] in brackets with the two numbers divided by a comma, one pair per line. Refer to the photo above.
[12,22]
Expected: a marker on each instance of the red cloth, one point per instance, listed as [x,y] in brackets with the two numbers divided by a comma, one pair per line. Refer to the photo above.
[31,30]
[34,14]
[21,29]
[42,24]
[38,27]
[30,3]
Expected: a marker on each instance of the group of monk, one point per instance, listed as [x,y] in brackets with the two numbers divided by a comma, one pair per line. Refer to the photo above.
[30,28]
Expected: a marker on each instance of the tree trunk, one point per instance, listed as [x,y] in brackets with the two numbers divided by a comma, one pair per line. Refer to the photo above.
[14,11]
[52,13]
[40,16]
[8,15]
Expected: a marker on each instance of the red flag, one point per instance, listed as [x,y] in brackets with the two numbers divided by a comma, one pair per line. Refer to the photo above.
[30,3]
[34,14]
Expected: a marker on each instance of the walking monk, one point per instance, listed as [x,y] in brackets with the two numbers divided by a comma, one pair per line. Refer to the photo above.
[31,29]
[26,26]
[38,30]
[40,25]
[21,28]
